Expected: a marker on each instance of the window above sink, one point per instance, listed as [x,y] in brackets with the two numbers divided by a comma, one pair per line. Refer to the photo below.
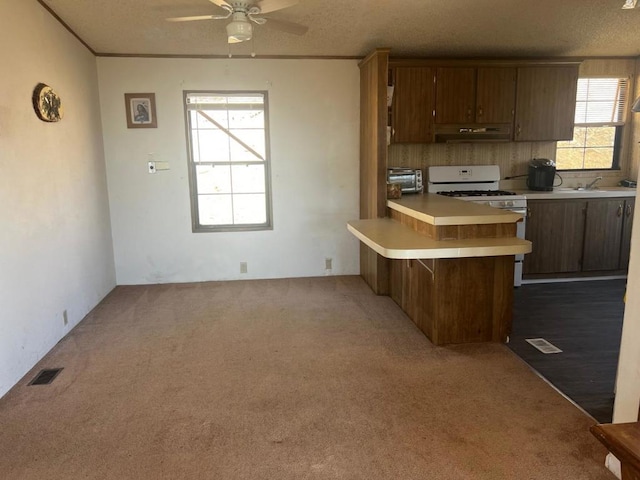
[599,123]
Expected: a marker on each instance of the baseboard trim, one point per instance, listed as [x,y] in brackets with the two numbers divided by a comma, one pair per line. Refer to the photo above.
[571,279]
[613,464]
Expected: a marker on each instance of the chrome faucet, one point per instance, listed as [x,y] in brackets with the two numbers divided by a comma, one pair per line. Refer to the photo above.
[591,186]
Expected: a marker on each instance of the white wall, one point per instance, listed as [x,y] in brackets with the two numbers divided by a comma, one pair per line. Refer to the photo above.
[55,239]
[314,126]
[628,379]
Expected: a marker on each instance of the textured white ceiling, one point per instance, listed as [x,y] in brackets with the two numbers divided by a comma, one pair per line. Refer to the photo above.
[352,28]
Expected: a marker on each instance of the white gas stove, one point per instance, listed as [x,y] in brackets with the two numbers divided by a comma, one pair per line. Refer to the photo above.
[480,184]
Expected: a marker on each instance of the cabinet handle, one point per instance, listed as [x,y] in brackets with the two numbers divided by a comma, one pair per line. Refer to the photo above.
[518,130]
[528,213]
[628,210]
[469,112]
[480,111]
[620,210]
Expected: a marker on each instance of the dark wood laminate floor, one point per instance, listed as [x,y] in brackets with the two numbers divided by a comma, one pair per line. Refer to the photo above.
[584,320]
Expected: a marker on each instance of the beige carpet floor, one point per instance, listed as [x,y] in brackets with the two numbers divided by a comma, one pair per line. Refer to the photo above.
[312,378]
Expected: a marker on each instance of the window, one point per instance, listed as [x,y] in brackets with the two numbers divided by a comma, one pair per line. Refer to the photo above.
[229,174]
[599,120]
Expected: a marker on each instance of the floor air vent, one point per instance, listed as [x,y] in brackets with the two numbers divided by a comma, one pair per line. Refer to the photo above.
[544,346]
[45,377]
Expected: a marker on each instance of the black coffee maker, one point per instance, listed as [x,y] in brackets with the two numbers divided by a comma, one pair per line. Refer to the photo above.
[542,172]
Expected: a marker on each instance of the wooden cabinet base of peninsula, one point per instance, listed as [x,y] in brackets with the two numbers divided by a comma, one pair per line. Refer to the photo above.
[456,300]
[374,269]
[623,441]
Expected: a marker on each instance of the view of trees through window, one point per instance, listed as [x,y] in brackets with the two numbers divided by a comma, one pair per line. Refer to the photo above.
[591,148]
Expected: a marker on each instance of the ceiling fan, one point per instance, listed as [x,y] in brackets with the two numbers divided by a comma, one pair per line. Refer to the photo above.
[243,14]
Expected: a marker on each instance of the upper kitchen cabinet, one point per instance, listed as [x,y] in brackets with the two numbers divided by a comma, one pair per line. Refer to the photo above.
[545,103]
[495,95]
[475,95]
[455,95]
[413,104]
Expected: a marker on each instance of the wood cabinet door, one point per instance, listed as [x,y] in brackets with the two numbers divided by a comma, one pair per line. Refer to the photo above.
[408,287]
[626,232]
[603,234]
[545,103]
[556,231]
[422,295]
[455,95]
[495,95]
[413,104]
[396,281]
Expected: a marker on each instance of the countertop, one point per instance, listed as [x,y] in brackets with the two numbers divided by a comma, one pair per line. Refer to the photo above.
[391,239]
[440,210]
[568,193]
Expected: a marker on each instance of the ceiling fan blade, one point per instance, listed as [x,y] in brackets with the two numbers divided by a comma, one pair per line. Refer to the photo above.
[267,6]
[288,27]
[198,17]
[220,3]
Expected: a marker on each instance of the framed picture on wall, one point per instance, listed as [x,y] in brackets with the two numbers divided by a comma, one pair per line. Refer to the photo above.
[141,110]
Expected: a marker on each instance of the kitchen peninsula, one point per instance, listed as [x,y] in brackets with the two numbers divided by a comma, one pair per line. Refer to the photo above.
[450,264]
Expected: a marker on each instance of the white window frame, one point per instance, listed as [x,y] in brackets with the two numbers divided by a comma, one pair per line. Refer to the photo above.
[616,120]
[193,184]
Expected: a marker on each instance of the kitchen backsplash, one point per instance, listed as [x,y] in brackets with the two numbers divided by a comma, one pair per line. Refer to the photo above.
[512,158]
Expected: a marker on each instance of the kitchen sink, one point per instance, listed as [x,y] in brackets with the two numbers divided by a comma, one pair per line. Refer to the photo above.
[579,190]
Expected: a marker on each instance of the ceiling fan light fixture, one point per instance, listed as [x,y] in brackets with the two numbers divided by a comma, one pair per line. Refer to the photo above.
[628,4]
[239,30]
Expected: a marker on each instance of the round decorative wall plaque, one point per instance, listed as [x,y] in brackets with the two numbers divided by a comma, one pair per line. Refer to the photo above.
[47,103]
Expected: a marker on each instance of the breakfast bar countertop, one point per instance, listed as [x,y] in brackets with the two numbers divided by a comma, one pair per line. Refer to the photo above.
[440,210]
[391,239]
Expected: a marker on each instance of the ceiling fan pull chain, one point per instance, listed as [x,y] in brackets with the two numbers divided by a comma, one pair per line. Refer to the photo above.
[253,46]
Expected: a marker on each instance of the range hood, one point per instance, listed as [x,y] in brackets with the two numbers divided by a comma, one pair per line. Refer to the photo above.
[473,133]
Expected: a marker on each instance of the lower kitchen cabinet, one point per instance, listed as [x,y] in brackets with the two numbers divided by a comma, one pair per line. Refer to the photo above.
[603,234]
[457,300]
[411,280]
[556,231]
[576,236]
[629,205]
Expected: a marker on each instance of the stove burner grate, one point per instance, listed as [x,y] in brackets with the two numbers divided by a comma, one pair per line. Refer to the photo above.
[475,193]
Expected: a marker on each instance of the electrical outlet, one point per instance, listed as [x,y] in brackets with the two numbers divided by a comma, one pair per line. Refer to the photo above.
[243,267]
[65,318]
[328,263]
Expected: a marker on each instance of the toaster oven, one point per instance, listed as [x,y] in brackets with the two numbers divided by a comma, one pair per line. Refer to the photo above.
[410,179]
